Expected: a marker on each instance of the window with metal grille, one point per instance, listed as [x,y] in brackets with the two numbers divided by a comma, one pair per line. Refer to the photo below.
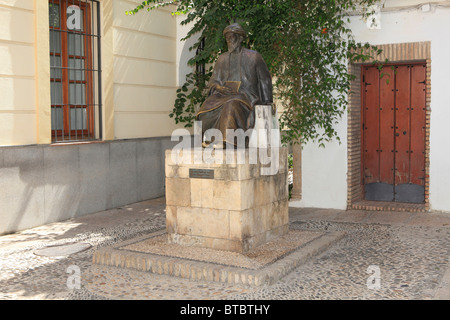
[200,67]
[75,76]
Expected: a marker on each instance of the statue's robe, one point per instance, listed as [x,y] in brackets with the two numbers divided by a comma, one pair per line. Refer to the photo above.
[246,72]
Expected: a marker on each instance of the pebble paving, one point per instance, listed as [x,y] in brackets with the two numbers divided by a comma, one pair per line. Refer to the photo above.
[411,259]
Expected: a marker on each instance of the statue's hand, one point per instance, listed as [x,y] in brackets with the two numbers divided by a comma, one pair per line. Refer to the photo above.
[223,89]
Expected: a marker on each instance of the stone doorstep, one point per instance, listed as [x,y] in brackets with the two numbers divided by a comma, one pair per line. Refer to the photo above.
[204,271]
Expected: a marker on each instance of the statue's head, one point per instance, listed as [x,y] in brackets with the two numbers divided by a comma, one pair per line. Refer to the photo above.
[234,35]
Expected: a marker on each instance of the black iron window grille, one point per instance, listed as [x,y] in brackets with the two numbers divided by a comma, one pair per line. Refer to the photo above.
[75,70]
[200,67]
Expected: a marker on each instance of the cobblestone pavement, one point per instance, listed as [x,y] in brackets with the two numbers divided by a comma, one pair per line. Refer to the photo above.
[408,251]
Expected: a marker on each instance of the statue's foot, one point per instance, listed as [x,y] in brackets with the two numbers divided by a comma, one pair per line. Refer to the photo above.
[215,145]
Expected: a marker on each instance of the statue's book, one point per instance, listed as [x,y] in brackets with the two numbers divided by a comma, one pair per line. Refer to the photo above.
[233,85]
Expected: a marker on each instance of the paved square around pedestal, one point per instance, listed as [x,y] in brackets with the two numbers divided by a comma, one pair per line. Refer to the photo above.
[254,259]
[264,264]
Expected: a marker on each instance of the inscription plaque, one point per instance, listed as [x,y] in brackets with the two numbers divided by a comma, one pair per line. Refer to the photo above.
[201,173]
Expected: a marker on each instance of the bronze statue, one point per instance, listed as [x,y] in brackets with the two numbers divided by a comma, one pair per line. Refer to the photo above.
[240,81]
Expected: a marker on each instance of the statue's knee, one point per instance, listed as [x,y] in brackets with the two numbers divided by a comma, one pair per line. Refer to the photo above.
[232,107]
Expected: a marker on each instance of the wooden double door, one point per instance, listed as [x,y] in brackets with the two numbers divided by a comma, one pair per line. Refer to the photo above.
[393,131]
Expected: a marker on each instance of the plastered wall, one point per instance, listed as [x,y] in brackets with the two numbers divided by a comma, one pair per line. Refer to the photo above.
[324,171]
[17,73]
[139,72]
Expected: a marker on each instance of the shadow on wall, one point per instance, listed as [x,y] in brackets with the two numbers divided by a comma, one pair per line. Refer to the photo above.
[184,56]
[44,184]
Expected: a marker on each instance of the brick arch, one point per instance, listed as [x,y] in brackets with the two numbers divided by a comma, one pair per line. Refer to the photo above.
[399,52]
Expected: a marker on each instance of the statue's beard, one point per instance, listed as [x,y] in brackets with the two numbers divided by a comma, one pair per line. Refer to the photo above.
[233,46]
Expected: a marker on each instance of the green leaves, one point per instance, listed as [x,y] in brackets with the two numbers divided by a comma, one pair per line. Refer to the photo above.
[151,5]
[307,45]
[189,97]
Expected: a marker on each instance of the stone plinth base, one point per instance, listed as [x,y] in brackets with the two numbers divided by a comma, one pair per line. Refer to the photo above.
[264,265]
[234,205]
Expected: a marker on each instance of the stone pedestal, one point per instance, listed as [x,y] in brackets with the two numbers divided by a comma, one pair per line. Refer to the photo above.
[233,206]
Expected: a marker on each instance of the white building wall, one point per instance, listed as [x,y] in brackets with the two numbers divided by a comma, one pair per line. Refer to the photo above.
[145,71]
[324,171]
[17,73]
[183,55]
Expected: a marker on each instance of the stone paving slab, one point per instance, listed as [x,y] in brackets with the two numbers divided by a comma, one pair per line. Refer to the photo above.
[204,264]
[62,250]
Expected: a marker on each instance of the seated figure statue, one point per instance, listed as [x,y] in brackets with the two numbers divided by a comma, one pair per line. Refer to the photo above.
[240,81]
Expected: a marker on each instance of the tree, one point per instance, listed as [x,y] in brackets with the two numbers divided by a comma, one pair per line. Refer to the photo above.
[306,44]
